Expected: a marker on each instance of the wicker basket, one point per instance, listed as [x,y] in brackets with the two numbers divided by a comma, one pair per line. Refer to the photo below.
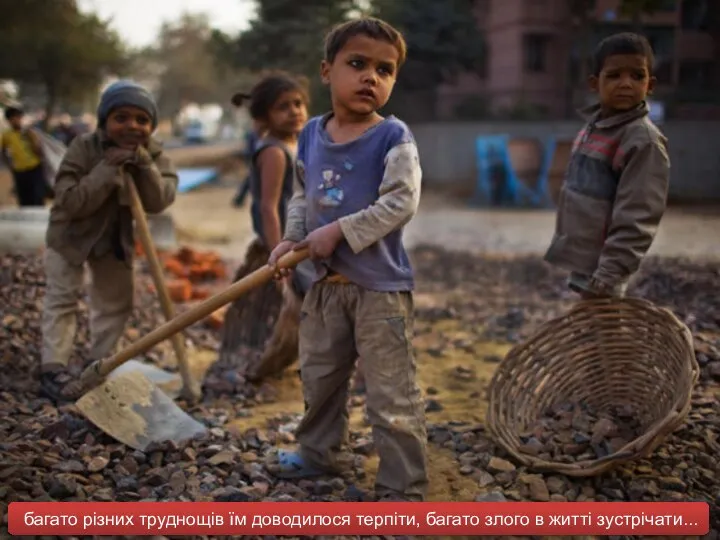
[603,352]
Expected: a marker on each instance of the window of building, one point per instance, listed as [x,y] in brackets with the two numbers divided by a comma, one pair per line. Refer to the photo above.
[695,15]
[696,74]
[535,52]
[662,41]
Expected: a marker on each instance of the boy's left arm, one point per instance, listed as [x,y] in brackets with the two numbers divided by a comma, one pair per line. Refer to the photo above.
[156,181]
[640,202]
[398,201]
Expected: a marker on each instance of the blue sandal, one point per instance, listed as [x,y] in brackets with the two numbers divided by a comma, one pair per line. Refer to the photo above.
[291,465]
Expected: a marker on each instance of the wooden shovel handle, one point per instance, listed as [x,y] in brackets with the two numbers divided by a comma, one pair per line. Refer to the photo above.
[101,368]
[190,387]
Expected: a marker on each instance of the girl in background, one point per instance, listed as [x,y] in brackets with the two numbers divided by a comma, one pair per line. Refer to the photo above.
[278,105]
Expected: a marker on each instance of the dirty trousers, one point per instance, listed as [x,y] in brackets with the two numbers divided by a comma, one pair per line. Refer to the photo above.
[111,303]
[338,323]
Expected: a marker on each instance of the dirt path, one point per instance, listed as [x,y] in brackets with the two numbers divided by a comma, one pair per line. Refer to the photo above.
[206,220]
[461,399]
[454,380]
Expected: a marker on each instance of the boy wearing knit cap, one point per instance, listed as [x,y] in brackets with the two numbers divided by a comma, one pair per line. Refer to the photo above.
[91,222]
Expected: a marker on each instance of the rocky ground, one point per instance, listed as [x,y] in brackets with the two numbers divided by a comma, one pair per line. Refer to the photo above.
[470,309]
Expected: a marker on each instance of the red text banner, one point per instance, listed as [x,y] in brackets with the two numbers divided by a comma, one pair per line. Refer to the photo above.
[289,518]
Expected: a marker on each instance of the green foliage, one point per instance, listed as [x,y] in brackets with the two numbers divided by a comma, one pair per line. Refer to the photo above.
[442,37]
[187,68]
[188,64]
[55,45]
[288,35]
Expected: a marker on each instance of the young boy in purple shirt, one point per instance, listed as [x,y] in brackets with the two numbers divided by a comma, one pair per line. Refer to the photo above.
[358,185]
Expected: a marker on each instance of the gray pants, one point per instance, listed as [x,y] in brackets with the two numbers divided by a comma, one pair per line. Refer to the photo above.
[111,304]
[338,323]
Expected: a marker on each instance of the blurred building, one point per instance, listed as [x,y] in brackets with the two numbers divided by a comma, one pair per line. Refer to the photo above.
[535,48]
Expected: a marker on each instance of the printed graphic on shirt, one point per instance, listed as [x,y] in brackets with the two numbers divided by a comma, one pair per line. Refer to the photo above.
[333,193]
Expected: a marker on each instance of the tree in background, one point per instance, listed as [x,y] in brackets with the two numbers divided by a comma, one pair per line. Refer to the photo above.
[443,40]
[184,65]
[57,47]
[288,35]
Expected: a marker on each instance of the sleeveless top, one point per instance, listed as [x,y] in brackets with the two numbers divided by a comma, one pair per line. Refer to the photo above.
[256,185]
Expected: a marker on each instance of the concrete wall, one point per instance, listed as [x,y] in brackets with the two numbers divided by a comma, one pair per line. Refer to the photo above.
[447,152]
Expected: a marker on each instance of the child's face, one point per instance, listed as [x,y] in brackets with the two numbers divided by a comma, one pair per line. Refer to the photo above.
[16,121]
[129,127]
[623,83]
[362,76]
[288,114]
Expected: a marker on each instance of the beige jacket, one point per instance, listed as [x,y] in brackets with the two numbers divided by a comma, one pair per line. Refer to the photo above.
[89,206]
[613,197]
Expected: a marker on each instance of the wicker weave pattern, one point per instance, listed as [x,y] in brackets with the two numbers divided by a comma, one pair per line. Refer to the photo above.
[604,352]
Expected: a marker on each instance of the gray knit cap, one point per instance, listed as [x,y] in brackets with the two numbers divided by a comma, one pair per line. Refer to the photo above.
[125,93]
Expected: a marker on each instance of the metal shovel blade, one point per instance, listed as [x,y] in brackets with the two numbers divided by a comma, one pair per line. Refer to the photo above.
[134,411]
[170,383]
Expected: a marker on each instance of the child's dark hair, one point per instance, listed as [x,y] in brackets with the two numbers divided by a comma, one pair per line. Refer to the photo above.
[13,112]
[370,27]
[267,91]
[622,43]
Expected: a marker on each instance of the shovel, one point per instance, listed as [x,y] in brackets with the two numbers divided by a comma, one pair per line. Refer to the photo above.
[128,407]
[190,389]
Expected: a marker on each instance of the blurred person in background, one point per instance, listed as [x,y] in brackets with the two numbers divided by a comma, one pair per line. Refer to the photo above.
[64,131]
[278,105]
[22,151]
